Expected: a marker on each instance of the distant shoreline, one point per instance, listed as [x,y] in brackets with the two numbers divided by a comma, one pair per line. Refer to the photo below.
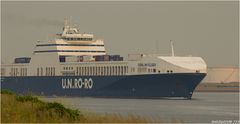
[218,87]
[225,91]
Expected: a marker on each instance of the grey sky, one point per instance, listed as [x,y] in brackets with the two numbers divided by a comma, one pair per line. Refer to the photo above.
[206,29]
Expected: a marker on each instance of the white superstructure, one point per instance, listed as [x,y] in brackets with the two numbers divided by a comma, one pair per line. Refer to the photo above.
[72,43]
[75,53]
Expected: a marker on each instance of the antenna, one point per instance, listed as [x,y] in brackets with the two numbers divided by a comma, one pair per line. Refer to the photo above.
[65,23]
[70,21]
[172,47]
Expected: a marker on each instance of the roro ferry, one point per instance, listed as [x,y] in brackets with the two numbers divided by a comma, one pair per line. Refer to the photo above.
[76,64]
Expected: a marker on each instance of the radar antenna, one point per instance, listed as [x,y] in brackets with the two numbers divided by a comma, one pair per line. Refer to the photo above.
[67,22]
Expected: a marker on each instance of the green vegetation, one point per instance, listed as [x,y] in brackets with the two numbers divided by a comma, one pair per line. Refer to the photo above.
[28,108]
[3,91]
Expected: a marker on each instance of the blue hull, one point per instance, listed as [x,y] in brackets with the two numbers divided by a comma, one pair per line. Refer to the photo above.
[145,86]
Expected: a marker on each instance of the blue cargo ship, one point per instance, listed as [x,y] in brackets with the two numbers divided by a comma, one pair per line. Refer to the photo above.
[77,64]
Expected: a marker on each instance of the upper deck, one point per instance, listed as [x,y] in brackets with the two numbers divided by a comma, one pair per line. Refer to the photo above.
[71,42]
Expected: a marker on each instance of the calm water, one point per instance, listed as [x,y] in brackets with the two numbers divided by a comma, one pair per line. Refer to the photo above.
[204,107]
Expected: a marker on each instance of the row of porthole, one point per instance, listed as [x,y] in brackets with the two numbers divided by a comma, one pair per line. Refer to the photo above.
[169,71]
[154,70]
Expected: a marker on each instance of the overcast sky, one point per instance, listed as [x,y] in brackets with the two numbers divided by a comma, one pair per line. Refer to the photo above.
[205,29]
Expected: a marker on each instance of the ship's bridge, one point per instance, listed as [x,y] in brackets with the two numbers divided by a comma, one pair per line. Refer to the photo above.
[72,43]
[73,34]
